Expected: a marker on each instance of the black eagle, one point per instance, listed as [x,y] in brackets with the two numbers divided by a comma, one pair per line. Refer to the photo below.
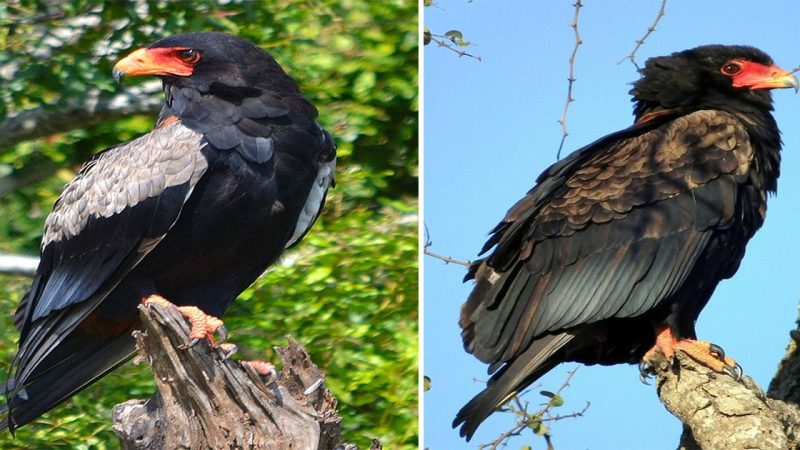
[235,171]
[619,246]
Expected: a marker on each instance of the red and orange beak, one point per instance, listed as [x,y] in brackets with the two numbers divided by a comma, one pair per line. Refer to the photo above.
[759,76]
[152,61]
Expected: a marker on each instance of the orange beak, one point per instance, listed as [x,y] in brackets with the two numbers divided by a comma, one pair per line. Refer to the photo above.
[757,76]
[152,61]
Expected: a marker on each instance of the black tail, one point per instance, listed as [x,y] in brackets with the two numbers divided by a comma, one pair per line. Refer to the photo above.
[511,379]
[75,364]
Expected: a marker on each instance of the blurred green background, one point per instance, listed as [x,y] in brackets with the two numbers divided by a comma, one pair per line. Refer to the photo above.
[348,292]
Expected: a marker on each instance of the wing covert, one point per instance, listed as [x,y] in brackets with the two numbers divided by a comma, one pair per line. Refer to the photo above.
[611,235]
[118,207]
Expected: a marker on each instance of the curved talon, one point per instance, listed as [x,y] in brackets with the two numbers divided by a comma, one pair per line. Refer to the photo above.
[228,350]
[716,351]
[222,332]
[736,372]
[645,371]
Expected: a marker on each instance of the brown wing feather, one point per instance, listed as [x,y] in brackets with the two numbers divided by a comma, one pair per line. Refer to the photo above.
[612,238]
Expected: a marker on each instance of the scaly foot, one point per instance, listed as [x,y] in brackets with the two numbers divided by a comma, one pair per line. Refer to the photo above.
[263,368]
[203,326]
[705,353]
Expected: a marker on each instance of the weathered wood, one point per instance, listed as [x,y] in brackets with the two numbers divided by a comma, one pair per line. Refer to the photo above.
[719,412]
[207,401]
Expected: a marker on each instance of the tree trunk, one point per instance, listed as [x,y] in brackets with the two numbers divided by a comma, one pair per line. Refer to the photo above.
[206,401]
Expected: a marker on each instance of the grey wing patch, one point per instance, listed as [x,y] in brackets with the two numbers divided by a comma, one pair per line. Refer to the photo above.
[125,176]
[314,201]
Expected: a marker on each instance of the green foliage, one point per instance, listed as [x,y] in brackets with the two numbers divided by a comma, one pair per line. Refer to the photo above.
[348,292]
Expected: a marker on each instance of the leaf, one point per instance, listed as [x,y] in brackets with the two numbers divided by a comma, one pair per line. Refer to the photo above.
[557,401]
[454,35]
[547,394]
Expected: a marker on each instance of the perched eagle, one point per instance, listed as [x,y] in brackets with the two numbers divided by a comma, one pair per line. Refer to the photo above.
[235,171]
[625,240]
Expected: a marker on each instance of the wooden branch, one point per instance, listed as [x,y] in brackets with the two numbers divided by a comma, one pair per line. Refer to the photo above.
[640,41]
[18,264]
[571,80]
[207,401]
[91,108]
[719,412]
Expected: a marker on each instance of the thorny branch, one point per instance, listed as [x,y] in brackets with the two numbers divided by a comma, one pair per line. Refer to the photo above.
[650,30]
[563,120]
[446,259]
[448,43]
[534,420]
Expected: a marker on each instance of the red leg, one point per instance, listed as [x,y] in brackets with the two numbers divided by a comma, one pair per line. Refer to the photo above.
[203,326]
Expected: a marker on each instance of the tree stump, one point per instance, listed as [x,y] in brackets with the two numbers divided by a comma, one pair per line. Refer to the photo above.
[206,401]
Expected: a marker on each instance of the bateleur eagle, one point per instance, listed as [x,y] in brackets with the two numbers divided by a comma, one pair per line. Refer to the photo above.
[235,172]
[626,239]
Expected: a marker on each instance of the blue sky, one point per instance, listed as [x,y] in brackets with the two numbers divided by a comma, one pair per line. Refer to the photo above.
[490,128]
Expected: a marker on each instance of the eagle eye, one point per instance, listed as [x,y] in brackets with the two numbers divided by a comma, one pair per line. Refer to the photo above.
[731,68]
[189,56]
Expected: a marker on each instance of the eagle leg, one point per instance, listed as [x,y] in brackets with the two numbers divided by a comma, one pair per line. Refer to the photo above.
[203,326]
[705,353]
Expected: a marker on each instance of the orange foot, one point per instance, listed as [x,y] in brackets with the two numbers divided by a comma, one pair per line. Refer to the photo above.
[263,368]
[203,326]
[710,355]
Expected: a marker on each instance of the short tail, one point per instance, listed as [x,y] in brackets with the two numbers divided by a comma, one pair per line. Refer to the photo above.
[511,379]
[75,364]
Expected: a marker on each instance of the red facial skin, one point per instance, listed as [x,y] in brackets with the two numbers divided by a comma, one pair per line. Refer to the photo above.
[157,61]
[758,76]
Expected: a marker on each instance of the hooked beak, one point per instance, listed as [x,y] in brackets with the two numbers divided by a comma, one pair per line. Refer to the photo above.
[756,76]
[146,61]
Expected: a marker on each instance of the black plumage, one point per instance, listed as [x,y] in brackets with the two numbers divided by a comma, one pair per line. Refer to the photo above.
[235,172]
[632,232]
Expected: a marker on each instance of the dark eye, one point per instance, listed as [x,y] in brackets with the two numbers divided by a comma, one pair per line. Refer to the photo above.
[731,68]
[189,56]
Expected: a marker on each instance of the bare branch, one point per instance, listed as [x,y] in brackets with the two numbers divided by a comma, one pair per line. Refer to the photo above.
[650,30]
[533,420]
[446,259]
[571,80]
[18,264]
[449,43]
[91,108]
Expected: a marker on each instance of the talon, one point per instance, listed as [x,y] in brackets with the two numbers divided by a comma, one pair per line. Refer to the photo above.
[735,371]
[222,332]
[156,299]
[191,343]
[716,351]
[228,350]
[646,370]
